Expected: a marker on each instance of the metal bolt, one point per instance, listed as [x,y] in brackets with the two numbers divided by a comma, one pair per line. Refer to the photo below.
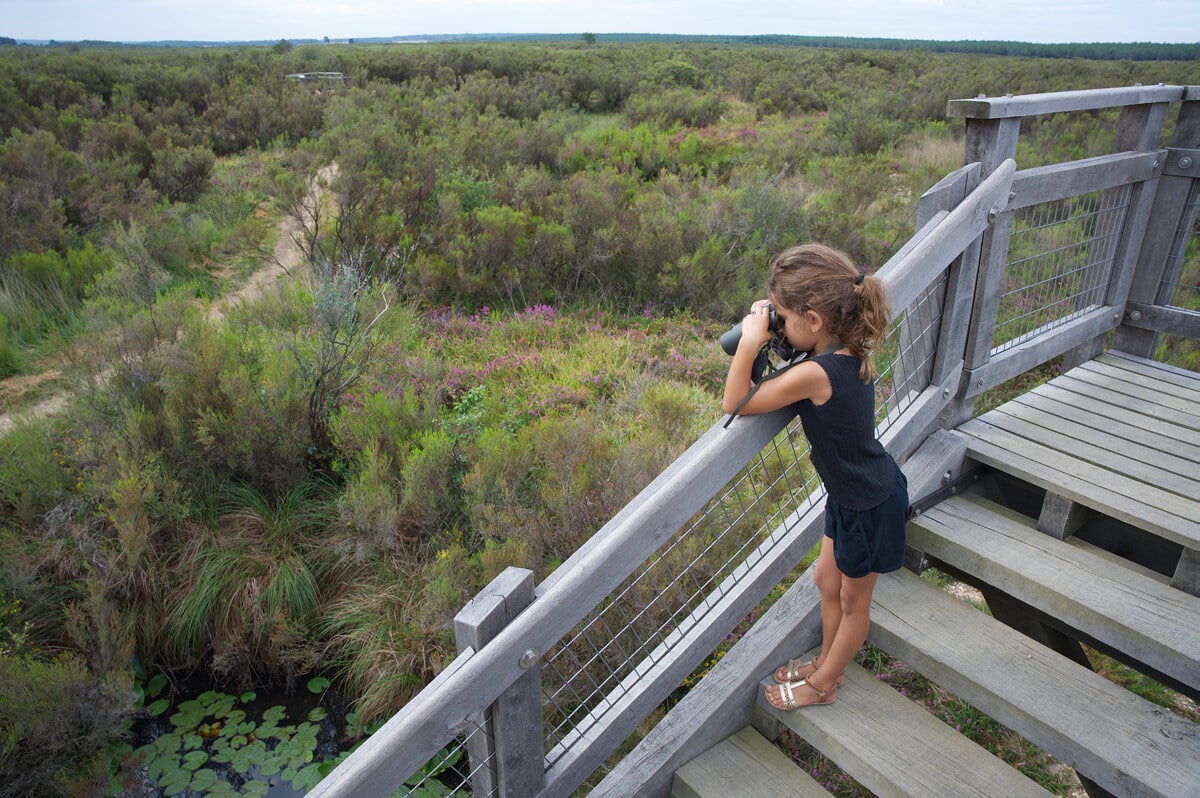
[945,393]
[949,475]
[530,658]
[1135,315]
[992,214]
[979,384]
[1184,162]
[1155,164]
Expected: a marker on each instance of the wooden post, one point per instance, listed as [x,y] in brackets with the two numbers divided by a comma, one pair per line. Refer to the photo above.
[507,758]
[1159,240]
[989,142]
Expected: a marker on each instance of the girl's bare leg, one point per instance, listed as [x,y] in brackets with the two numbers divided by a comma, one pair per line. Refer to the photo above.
[851,633]
[846,615]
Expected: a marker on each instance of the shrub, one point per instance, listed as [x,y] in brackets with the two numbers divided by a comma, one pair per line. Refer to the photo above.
[56,718]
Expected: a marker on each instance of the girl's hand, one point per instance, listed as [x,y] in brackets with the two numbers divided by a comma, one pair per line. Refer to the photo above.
[756,327]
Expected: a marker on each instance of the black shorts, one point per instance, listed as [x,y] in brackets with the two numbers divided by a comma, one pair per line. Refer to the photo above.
[871,540]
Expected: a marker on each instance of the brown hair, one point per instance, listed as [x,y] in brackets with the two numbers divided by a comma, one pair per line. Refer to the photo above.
[821,278]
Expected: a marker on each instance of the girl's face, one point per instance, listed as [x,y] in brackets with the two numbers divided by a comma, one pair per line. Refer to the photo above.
[798,327]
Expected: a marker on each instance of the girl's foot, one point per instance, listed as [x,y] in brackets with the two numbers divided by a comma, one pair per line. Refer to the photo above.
[796,671]
[793,695]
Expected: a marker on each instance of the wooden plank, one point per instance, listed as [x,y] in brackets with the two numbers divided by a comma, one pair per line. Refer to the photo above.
[1187,381]
[1051,340]
[1159,512]
[744,764]
[1184,397]
[1010,106]
[1141,617]
[1132,400]
[1060,181]
[1110,408]
[894,747]
[1124,743]
[1097,447]
[1076,410]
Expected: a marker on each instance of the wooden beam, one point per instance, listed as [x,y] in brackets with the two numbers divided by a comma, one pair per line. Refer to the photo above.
[1010,106]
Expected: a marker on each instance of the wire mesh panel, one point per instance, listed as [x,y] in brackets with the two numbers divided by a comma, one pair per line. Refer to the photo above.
[1181,284]
[906,356]
[636,625]
[452,773]
[1060,259]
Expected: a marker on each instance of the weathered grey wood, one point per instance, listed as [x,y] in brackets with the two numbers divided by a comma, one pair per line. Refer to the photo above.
[1056,338]
[1144,506]
[990,142]
[1061,517]
[1164,320]
[744,764]
[1187,572]
[1124,743]
[1141,617]
[1162,400]
[1150,368]
[1077,408]
[894,747]
[1060,181]
[722,701]
[496,757]
[1098,447]
[1184,391]
[1170,199]
[1062,101]
[947,193]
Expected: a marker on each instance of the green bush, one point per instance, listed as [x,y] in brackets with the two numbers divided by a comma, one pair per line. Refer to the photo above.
[56,720]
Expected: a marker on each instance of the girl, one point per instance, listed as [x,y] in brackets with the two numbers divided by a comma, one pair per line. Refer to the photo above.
[836,314]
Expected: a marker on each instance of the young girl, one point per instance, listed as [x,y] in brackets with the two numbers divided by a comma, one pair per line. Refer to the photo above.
[836,314]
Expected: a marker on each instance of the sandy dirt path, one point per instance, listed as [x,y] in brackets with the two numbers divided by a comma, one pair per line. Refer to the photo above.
[287,255]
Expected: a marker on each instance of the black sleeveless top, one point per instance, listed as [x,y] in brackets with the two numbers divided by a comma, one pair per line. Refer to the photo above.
[856,470]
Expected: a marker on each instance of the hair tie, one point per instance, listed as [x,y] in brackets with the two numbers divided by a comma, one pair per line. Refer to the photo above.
[858,280]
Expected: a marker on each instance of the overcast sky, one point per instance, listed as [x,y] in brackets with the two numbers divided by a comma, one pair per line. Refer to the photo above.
[1173,21]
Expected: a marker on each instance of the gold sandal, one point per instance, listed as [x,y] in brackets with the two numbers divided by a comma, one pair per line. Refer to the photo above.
[792,672]
[787,696]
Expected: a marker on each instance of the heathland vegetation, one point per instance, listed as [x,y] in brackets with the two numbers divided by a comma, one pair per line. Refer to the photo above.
[504,327]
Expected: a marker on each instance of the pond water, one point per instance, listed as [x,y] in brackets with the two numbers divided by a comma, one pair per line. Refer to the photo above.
[260,743]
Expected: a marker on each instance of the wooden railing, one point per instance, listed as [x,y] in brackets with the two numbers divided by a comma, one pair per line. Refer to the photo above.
[1008,270]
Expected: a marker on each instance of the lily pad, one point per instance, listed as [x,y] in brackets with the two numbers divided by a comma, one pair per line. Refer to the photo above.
[155,685]
[317,684]
[204,780]
[275,714]
[318,714]
[194,759]
[158,707]
[307,778]
[248,696]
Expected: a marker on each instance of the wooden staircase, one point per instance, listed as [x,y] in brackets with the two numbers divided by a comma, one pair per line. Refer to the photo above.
[1083,528]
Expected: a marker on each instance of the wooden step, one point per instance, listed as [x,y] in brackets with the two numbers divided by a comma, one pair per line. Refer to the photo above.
[1123,743]
[893,747]
[745,764]
[1095,595]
